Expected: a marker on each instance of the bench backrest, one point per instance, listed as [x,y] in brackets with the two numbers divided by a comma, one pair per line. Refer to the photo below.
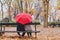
[36,23]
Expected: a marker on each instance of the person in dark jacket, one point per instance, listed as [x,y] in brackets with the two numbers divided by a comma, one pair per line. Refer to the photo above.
[20,27]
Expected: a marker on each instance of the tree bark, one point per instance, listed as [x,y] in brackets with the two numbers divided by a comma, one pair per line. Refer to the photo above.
[46,7]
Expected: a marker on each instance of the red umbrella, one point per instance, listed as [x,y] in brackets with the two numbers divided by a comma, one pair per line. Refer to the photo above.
[23,18]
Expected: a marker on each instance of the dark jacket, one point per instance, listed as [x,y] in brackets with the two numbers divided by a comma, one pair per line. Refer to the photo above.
[20,27]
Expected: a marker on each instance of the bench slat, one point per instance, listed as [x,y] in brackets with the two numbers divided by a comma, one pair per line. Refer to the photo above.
[36,23]
[21,31]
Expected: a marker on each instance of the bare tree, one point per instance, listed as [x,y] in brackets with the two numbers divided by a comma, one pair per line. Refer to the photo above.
[20,5]
[1,8]
[8,2]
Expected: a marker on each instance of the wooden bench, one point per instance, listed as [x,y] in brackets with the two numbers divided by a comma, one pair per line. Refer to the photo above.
[35,31]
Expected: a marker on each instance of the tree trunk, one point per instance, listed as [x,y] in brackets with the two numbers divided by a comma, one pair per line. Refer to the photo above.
[9,5]
[46,7]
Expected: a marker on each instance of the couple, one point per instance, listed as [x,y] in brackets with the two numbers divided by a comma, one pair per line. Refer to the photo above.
[21,27]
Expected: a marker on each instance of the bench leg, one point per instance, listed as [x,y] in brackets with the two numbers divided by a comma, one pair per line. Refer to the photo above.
[1,30]
[35,33]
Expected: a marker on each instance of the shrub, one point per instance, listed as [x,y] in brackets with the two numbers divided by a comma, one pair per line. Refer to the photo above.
[54,23]
[5,20]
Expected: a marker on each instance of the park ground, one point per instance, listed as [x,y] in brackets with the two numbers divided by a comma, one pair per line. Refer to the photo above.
[45,34]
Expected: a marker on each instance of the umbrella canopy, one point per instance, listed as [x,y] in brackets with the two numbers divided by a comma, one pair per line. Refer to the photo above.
[23,18]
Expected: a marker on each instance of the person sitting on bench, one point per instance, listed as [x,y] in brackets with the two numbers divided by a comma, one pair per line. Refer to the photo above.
[20,27]
[29,29]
